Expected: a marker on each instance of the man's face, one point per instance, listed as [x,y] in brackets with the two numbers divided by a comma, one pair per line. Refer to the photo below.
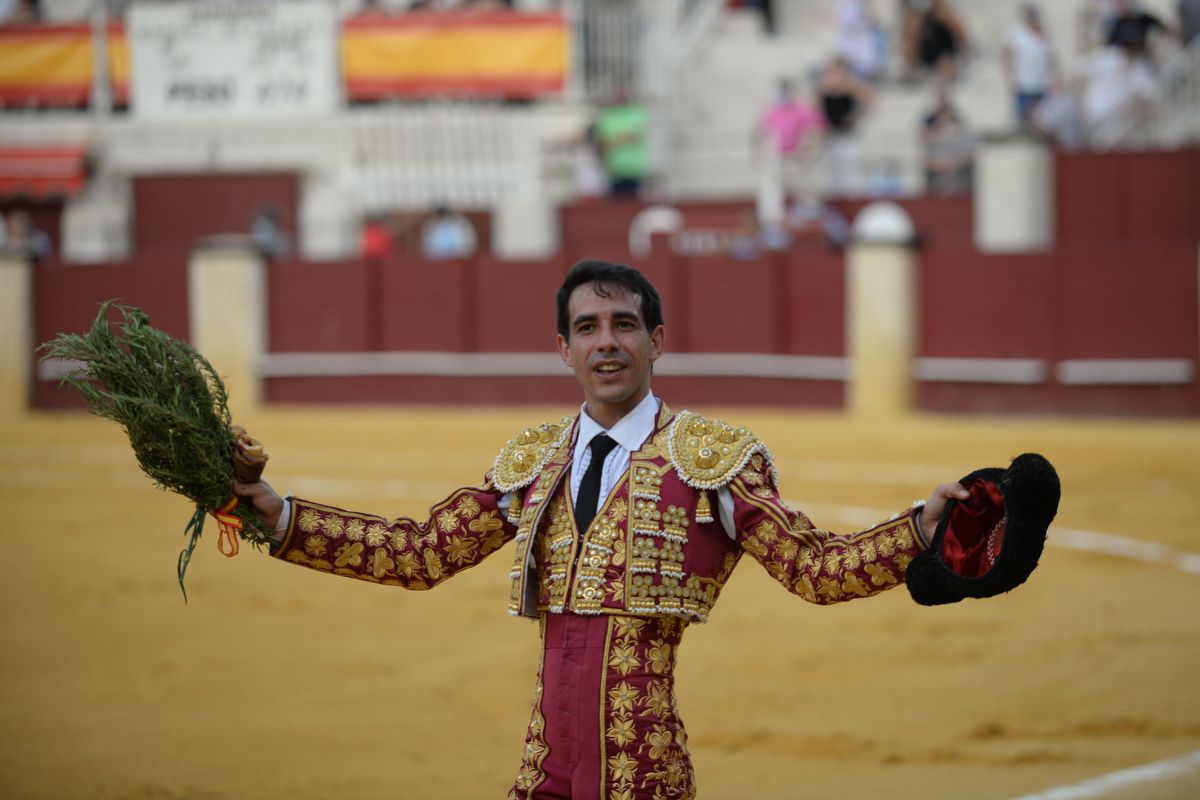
[610,350]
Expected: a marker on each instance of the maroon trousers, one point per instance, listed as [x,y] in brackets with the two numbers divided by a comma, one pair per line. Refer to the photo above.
[605,725]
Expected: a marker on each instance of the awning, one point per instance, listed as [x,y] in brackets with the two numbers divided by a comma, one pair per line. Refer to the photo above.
[42,172]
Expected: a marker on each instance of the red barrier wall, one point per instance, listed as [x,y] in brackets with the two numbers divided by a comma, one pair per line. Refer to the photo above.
[66,297]
[171,212]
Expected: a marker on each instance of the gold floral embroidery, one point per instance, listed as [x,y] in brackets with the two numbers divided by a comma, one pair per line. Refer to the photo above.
[460,551]
[309,520]
[628,627]
[433,564]
[354,530]
[487,522]
[659,656]
[767,530]
[880,575]
[467,507]
[622,697]
[407,564]
[659,740]
[333,526]
[447,521]
[349,554]
[315,545]
[381,563]
[621,731]
[659,700]
[623,768]
[624,659]
[854,585]
[376,537]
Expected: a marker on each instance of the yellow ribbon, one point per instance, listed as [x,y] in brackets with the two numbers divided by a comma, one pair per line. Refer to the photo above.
[230,526]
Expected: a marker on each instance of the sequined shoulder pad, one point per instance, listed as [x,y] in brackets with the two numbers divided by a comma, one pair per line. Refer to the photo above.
[708,453]
[520,461]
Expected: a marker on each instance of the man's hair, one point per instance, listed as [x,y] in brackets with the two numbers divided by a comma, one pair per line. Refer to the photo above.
[608,277]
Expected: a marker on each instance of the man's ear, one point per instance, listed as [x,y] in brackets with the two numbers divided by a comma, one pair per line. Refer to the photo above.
[658,338]
[564,350]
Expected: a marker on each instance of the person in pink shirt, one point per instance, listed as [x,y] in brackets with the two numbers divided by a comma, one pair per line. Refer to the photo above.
[783,133]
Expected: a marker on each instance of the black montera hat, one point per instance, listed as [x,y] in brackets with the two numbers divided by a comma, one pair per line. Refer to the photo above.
[990,542]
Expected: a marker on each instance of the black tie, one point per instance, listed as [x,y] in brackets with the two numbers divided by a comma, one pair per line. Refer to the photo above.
[589,489]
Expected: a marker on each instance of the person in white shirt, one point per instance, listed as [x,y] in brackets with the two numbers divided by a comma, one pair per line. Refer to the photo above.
[1029,63]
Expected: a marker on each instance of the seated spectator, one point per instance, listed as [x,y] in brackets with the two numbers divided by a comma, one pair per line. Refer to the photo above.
[809,215]
[885,180]
[376,243]
[934,38]
[23,236]
[268,235]
[860,40]
[20,12]
[949,149]
[447,235]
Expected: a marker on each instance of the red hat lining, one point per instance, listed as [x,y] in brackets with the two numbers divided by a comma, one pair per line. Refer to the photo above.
[975,531]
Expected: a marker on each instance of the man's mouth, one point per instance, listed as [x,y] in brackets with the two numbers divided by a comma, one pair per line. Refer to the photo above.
[609,367]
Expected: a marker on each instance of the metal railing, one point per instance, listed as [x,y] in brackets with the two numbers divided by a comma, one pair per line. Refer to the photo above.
[468,155]
[1168,118]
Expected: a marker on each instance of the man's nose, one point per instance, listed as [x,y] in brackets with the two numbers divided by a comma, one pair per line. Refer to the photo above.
[608,337]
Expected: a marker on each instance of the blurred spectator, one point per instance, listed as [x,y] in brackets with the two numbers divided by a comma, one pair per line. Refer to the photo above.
[844,99]
[377,242]
[860,40]
[885,181]
[447,235]
[621,132]
[587,166]
[267,234]
[934,37]
[24,236]
[783,133]
[20,12]
[1189,20]
[1029,62]
[949,148]
[809,215]
[1058,117]
[1118,81]
[1130,28]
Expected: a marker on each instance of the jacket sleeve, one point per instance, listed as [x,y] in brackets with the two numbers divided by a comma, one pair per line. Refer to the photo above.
[460,532]
[820,566]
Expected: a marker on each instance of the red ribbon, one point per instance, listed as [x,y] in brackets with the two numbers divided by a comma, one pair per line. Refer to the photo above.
[230,525]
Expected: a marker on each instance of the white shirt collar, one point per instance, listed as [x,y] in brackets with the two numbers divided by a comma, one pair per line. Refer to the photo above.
[630,432]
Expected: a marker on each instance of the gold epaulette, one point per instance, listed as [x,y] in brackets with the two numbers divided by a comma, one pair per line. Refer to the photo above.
[520,461]
[708,453]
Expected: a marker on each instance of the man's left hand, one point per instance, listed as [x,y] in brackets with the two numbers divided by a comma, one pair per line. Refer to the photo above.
[936,504]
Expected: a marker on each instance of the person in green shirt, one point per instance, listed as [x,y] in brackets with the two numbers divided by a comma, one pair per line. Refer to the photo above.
[621,132]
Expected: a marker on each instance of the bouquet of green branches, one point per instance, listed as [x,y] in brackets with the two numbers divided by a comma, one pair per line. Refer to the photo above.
[174,408]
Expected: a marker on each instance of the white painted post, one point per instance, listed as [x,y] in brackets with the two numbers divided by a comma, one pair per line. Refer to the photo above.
[228,313]
[16,332]
[1014,194]
[881,312]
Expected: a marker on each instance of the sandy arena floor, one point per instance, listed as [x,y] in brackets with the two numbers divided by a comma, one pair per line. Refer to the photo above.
[277,682]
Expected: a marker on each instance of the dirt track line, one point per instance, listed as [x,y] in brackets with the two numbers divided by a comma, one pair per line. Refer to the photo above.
[1114,781]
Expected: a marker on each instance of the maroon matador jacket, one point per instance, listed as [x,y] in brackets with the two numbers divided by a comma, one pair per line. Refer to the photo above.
[655,549]
[654,558]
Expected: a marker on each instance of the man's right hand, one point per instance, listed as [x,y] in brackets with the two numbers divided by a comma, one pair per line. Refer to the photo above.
[267,503]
